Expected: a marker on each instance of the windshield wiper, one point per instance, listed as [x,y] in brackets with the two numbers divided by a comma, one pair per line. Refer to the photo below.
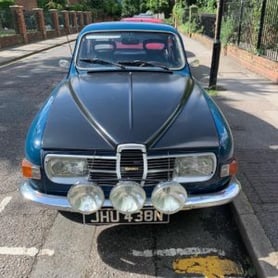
[101,62]
[141,63]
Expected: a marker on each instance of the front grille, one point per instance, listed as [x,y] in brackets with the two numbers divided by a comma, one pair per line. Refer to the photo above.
[159,169]
[101,163]
[132,165]
[103,170]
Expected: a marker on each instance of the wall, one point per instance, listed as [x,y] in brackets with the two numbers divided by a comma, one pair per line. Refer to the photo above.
[23,35]
[258,64]
[27,4]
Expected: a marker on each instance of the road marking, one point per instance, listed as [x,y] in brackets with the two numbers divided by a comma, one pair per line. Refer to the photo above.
[209,266]
[23,251]
[172,252]
[271,259]
[4,203]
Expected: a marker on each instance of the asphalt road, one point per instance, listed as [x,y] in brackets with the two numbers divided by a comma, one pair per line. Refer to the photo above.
[36,242]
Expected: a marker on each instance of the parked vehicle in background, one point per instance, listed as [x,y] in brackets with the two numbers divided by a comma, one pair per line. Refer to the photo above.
[142,19]
[129,136]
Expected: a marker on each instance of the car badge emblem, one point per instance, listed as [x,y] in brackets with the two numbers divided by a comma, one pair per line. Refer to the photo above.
[131,169]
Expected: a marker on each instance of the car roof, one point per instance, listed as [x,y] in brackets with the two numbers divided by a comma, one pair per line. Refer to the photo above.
[127,25]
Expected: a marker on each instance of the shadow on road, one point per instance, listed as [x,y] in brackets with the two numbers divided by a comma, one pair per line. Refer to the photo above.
[152,249]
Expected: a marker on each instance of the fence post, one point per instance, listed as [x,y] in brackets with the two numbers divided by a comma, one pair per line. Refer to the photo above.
[66,21]
[80,19]
[261,25]
[55,21]
[20,22]
[90,17]
[85,18]
[74,17]
[40,21]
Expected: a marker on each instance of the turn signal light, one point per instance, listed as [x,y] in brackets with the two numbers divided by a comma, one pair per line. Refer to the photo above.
[229,169]
[30,170]
[233,168]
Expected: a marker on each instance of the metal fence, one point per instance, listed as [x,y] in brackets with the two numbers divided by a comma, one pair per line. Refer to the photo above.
[79,20]
[71,21]
[206,24]
[61,20]
[30,21]
[7,26]
[252,25]
[268,40]
[49,26]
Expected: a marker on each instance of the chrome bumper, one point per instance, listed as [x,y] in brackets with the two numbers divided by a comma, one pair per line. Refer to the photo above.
[194,201]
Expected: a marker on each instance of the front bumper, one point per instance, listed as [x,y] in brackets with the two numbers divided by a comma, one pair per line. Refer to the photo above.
[193,201]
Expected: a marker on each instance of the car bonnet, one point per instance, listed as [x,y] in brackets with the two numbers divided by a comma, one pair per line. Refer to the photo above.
[102,110]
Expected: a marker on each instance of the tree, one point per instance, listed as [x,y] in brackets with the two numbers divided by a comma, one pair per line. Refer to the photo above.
[161,6]
[207,6]
[52,4]
[4,4]
[108,7]
[158,6]
[131,7]
[112,8]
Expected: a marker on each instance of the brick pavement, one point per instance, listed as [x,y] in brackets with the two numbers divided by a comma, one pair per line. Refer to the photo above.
[250,104]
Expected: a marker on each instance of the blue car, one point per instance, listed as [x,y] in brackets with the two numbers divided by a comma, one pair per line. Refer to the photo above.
[129,136]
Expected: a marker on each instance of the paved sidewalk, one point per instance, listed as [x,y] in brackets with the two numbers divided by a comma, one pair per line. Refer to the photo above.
[250,104]
[8,55]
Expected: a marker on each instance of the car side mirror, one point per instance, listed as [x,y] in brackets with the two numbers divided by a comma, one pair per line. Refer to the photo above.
[64,64]
[195,63]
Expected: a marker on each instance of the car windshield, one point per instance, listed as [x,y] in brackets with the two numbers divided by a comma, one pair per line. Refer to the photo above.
[125,49]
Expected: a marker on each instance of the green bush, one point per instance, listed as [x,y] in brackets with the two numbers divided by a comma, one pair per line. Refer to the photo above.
[190,27]
[227,30]
[178,13]
[207,6]
[169,21]
[78,7]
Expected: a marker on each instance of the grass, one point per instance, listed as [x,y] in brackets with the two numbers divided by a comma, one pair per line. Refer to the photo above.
[212,92]
[5,33]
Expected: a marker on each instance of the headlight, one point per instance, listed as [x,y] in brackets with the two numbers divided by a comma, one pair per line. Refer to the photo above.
[194,168]
[127,197]
[63,169]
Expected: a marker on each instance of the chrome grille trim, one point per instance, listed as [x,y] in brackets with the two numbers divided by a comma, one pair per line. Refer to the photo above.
[160,171]
[102,171]
[130,147]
